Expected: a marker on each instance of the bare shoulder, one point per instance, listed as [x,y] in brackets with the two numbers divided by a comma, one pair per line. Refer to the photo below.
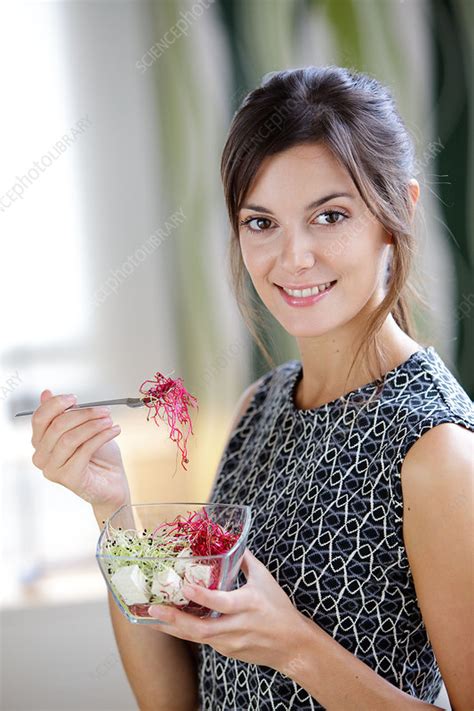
[439,466]
[445,448]
[438,478]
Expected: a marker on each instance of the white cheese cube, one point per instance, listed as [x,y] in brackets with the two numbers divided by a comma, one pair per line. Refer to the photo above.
[131,585]
[179,564]
[178,598]
[167,584]
[198,573]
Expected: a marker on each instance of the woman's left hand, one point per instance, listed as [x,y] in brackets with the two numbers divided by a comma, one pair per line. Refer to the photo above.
[259,620]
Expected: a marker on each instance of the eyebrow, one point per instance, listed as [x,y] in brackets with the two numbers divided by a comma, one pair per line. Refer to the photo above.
[311,206]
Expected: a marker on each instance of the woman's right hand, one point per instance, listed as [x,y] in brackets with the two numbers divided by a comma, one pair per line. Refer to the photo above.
[76,449]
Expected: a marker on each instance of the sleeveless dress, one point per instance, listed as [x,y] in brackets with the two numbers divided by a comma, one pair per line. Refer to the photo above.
[327,515]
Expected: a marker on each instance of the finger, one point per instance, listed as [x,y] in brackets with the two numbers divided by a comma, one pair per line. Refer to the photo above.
[226,601]
[251,565]
[86,450]
[220,626]
[46,412]
[247,564]
[66,422]
[45,395]
[76,446]
[186,626]
[60,441]
[71,474]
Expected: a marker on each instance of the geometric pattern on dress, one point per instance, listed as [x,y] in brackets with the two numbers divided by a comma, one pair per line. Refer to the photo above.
[325,490]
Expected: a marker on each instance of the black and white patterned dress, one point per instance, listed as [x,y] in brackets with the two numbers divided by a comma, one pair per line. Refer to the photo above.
[325,490]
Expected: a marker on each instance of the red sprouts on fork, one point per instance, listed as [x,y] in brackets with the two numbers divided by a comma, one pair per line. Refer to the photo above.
[168,398]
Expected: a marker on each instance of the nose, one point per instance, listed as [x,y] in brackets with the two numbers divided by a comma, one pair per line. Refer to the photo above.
[297,253]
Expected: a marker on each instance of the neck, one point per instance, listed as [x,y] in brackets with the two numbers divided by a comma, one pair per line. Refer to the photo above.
[327,361]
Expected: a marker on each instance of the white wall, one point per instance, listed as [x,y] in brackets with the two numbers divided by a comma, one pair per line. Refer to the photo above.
[62,658]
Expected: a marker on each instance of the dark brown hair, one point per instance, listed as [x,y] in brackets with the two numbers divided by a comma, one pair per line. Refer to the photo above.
[356,118]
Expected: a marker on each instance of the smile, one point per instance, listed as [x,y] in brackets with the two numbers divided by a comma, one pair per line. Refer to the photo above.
[308,291]
[307,296]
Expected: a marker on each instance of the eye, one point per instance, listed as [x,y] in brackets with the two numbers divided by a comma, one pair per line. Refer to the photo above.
[263,223]
[246,223]
[331,214]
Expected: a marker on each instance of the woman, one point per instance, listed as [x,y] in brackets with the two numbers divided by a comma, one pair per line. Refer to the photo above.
[356,460]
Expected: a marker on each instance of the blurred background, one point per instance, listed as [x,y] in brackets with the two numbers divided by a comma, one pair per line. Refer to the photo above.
[113,247]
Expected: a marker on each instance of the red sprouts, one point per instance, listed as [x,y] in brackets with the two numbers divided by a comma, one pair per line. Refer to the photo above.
[204,537]
[168,398]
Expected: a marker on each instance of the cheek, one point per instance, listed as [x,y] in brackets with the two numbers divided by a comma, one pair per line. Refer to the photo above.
[256,260]
[359,258]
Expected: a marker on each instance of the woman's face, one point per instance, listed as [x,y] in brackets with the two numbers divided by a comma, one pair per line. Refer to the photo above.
[302,232]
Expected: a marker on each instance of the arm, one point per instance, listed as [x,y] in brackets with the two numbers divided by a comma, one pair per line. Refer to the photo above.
[75,448]
[338,679]
[160,669]
[437,480]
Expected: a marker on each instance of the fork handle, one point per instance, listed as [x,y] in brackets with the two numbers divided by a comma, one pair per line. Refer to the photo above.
[130,402]
[119,401]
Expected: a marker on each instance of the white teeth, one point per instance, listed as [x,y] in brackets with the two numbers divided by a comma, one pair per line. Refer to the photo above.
[308,292]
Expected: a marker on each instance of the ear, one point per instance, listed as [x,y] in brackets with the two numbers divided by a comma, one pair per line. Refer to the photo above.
[414,191]
[387,237]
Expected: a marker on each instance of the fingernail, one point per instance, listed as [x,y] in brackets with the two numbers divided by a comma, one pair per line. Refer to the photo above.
[70,398]
[116,428]
[158,611]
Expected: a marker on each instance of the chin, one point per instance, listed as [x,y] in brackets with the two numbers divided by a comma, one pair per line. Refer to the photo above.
[308,330]
[310,333]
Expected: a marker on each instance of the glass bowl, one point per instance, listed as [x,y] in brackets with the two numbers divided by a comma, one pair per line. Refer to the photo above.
[138,579]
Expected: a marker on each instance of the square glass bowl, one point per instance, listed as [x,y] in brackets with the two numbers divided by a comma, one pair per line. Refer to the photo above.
[137,580]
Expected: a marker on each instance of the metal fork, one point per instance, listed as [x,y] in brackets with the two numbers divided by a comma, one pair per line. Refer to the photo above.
[128,401]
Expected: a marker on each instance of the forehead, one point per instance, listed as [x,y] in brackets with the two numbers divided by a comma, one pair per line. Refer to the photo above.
[303,169]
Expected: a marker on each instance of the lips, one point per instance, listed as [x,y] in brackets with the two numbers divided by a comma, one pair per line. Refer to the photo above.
[305,300]
[305,287]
